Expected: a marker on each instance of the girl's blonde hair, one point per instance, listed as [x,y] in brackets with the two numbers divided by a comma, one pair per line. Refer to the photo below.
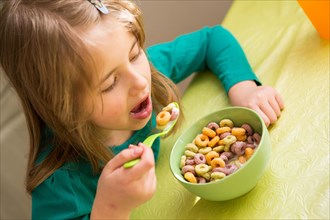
[48,64]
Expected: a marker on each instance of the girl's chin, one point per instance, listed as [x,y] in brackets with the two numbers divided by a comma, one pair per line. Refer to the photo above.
[141,123]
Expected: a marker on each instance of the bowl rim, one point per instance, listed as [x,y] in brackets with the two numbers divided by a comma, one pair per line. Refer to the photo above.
[263,130]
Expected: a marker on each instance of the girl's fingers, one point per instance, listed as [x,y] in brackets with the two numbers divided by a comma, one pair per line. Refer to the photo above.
[147,156]
[138,170]
[145,164]
[124,156]
[271,106]
[279,101]
[275,106]
[263,116]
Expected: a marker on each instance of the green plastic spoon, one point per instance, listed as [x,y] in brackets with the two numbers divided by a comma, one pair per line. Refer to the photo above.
[150,140]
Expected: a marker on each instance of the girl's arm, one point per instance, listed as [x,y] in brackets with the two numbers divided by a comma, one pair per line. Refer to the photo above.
[216,49]
[69,192]
[120,190]
[208,48]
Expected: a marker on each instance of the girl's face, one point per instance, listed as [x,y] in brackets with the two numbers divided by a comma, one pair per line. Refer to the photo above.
[123,79]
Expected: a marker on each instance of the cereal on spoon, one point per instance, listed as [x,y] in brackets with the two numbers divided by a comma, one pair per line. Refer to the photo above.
[169,113]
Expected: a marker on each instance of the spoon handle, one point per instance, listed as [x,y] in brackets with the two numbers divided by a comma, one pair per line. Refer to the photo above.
[148,142]
[131,163]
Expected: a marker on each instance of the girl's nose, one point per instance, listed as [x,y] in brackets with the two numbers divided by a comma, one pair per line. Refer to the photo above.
[138,82]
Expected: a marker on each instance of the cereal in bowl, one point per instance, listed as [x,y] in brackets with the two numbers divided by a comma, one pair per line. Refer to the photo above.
[218,151]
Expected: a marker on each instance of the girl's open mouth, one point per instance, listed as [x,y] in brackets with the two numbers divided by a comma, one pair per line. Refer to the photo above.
[143,109]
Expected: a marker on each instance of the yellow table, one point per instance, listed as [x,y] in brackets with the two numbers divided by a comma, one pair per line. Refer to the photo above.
[287,53]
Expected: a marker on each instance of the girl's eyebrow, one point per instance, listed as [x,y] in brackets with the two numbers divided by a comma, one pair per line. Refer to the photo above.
[109,74]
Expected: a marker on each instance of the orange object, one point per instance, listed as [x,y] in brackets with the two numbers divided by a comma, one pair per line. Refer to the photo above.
[248,153]
[318,12]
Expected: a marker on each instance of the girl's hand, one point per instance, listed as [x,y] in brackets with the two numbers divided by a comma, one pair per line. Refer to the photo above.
[263,99]
[120,190]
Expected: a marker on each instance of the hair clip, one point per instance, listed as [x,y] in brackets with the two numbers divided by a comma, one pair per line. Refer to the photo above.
[99,5]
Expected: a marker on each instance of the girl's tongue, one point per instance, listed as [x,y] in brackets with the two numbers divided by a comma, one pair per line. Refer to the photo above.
[142,110]
[139,107]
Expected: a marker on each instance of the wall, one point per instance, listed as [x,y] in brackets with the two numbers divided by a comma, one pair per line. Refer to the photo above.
[166,19]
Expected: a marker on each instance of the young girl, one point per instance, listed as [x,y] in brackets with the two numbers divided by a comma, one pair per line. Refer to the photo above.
[90,93]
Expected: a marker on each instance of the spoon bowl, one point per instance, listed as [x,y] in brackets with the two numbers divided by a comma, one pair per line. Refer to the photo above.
[150,139]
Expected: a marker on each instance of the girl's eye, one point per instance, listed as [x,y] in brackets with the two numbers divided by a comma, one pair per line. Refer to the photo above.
[135,57]
[108,89]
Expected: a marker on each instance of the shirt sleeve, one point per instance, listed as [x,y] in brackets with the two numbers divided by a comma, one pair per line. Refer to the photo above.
[66,194]
[213,48]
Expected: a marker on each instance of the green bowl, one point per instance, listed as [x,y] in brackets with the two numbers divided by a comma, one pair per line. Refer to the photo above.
[242,180]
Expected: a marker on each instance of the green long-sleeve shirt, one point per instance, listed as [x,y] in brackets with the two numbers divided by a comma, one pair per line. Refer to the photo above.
[69,192]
